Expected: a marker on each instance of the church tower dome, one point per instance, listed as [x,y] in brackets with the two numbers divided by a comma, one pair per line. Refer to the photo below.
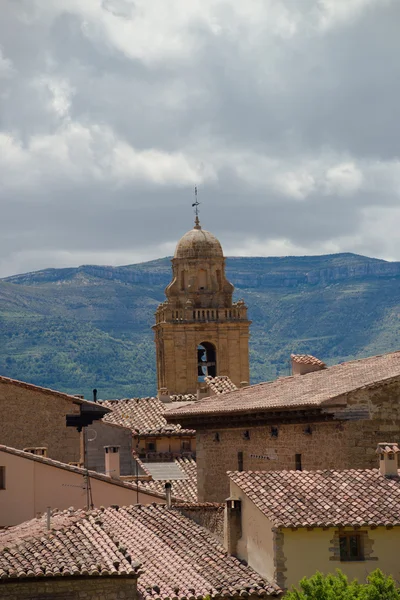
[199,330]
[198,269]
[198,243]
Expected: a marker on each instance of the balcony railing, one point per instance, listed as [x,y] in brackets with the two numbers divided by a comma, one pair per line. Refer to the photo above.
[166,314]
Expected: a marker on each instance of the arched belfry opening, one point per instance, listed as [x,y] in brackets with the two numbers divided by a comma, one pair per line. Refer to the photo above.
[206,360]
[199,306]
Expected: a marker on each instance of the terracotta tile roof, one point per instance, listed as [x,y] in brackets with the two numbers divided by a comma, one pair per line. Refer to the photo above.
[179,559]
[310,390]
[201,505]
[176,404]
[182,489]
[323,498]
[43,390]
[220,384]
[307,359]
[78,470]
[183,397]
[144,416]
[76,546]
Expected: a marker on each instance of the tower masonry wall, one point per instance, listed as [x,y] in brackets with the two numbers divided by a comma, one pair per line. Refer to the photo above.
[180,341]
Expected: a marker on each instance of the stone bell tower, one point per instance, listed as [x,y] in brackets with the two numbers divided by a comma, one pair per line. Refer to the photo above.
[198,330]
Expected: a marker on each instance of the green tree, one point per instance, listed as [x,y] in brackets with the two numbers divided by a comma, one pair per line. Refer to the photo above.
[338,587]
[380,587]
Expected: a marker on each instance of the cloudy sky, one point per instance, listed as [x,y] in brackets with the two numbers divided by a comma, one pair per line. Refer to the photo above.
[285,113]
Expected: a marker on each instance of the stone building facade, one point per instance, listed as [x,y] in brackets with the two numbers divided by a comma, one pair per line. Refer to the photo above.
[138,425]
[199,330]
[346,519]
[34,416]
[328,419]
[101,434]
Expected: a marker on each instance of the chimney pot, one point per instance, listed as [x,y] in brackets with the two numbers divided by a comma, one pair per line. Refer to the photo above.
[164,396]
[37,450]
[388,459]
[305,363]
[112,461]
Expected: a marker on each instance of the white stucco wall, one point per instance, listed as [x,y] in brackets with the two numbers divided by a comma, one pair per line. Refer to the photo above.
[32,486]
[256,544]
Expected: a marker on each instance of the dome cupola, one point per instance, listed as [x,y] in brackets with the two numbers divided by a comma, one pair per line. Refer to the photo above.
[198,243]
[198,270]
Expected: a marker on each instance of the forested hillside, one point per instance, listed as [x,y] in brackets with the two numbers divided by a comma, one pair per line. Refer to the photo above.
[79,328]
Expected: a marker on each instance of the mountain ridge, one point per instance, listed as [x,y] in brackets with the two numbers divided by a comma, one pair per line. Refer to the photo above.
[363,266]
[77,328]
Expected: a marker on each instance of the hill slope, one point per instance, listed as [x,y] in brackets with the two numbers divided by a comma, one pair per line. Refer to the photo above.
[79,328]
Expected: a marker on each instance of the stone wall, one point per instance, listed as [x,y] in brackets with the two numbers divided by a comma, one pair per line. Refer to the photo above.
[209,516]
[348,441]
[262,451]
[31,417]
[105,434]
[93,588]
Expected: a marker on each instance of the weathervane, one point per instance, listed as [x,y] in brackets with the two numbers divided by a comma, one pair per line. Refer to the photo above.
[196,205]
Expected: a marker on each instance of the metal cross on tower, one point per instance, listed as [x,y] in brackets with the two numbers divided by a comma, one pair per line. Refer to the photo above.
[196,203]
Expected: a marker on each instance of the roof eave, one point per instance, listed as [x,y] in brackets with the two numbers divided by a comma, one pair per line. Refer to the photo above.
[252,417]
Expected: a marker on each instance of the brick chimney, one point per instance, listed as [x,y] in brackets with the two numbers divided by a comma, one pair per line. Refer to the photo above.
[112,461]
[305,363]
[388,459]
[232,525]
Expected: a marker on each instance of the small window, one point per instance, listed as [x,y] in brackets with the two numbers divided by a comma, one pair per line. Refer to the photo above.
[350,547]
[240,461]
[2,478]
[150,446]
[297,459]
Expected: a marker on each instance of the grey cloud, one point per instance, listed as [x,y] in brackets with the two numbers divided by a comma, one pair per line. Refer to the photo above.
[247,109]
